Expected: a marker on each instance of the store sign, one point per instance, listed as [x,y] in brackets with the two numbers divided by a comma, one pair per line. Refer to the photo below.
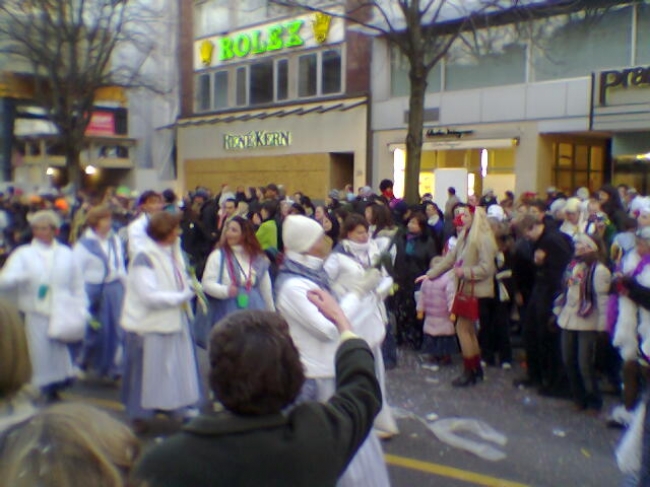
[305,32]
[638,77]
[256,139]
[101,123]
[448,133]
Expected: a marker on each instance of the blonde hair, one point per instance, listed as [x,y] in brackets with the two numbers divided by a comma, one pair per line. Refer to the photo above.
[480,233]
[15,365]
[72,445]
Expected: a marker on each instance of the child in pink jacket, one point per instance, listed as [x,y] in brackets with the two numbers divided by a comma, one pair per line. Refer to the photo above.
[434,305]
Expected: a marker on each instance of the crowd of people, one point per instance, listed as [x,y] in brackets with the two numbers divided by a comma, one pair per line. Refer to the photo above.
[130,289]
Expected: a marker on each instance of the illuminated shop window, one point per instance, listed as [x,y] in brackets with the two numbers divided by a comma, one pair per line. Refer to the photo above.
[578,165]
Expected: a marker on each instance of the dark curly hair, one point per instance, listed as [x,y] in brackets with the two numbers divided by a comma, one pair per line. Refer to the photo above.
[255,367]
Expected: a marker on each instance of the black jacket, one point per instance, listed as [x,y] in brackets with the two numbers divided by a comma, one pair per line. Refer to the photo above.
[310,446]
[413,257]
[559,251]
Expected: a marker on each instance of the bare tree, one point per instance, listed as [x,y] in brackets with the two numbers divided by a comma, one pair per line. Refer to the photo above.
[74,48]
[424,31]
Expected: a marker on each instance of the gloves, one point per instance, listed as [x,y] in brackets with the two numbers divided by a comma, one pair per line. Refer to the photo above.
[368,283]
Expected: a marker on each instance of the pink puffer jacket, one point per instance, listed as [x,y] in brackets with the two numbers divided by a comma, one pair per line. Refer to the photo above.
[436,298]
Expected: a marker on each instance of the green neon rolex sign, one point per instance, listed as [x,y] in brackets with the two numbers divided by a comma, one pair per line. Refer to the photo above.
[305,32]
[274,38]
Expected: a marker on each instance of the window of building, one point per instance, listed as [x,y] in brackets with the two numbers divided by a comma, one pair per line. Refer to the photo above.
[211,17]
[250,12]
[242,82]
[490,57]
[399,74]
[308,75]
[261,82]
[576,45]
[282,77]
[643,34]
[203,93]
[578,165]
[269,80]
[331,72]
[221,89]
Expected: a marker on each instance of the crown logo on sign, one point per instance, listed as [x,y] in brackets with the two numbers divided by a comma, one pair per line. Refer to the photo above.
[205,51]
[321,26]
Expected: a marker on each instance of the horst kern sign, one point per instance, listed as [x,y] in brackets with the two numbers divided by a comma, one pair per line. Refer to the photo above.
[257,139]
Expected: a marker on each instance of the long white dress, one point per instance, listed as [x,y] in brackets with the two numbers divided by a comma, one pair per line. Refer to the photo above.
[30,270]
[317,340]
[161,371]
[345,268]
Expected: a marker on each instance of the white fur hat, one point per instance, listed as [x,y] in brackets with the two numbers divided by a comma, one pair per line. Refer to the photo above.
[300,233]
[573,205]
[557,205]
[640,205]
[45,217]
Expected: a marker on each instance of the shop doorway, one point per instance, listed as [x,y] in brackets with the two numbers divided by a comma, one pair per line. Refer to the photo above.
[635,174]
[485,168]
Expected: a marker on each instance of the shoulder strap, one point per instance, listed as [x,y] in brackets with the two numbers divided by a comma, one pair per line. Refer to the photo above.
[221,266]
[92,246]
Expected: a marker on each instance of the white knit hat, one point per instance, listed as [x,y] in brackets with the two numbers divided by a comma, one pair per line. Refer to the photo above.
[496,212]
[572,205]
[300,233]
[44,217]
[640,205]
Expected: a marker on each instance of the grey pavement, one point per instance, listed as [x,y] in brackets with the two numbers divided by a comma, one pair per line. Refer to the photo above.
[548,443]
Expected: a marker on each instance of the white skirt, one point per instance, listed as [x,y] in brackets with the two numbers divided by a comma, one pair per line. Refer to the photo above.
[169,371]
[367,468]
[51,361]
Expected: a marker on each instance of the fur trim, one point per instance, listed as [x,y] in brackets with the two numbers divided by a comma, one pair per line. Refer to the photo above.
[625,335]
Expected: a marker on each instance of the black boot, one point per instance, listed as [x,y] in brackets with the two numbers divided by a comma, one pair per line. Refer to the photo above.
[467,379]
[469,376]
[479,373]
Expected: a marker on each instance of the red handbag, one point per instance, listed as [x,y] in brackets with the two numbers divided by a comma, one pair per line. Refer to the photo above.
[465,306]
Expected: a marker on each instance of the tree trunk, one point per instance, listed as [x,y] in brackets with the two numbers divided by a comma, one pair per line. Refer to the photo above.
[414,135]
[72,162]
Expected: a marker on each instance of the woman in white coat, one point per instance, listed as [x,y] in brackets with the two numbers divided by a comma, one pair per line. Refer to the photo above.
[50,290]
[347,266]
[237,272]
[161,371]
[316,337]
[582,317]
[100,255]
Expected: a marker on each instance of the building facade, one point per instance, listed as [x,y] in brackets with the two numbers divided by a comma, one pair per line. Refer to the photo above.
[271,95]
[569,106]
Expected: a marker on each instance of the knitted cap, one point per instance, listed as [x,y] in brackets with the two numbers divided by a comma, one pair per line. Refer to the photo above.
[496,212]
[300,233]
[572,205]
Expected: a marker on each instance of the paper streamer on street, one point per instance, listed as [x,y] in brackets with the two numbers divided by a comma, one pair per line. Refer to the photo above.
[449,431]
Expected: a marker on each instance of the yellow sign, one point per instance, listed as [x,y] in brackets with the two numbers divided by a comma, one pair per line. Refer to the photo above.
[205,51]
[321,26]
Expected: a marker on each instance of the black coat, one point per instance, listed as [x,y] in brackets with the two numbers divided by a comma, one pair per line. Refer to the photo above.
[413,258]
[310,446]
[549,276]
